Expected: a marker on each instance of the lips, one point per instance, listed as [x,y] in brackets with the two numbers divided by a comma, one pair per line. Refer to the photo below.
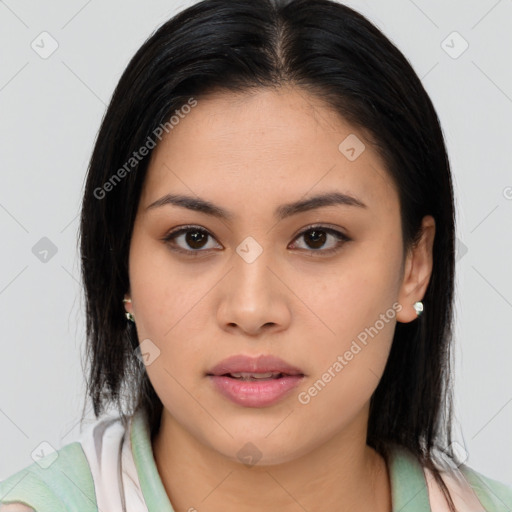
[263,367]
[255,381]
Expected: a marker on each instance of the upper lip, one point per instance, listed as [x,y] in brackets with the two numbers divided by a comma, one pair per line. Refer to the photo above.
[246,364]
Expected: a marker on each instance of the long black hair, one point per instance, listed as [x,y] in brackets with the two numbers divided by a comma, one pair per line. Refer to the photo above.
[337,55]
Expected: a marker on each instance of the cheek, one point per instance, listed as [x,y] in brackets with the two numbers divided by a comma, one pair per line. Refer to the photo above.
[169,300]
[355,310]
[160,292]
[353,294]
[350,356]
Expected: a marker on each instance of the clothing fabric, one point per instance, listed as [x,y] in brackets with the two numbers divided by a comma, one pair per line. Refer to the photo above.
[112,469]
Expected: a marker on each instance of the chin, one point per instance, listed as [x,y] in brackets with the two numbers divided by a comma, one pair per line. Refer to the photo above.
[259,451]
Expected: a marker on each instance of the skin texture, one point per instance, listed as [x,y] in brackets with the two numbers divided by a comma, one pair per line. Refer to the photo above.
[15,507]
[249,154]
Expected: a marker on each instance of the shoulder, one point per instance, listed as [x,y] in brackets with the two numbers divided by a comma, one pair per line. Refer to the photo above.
[493,494]
[469,489]
[67,480]
[60,481]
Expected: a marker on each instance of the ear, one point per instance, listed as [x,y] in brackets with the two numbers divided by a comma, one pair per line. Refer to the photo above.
[417,271]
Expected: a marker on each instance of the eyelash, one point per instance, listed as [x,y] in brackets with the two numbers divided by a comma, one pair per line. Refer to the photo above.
[342,238]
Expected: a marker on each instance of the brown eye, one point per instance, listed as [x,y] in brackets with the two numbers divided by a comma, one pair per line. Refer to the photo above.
[189,239]
[316,237]
[195,239]
[192,240]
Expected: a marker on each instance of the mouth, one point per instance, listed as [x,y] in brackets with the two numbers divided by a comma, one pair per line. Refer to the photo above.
[245,376]
[250,381]
[264,366]
[258,390]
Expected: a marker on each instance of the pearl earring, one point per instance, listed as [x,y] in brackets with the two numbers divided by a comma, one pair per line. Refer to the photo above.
[418,306]
[129,316]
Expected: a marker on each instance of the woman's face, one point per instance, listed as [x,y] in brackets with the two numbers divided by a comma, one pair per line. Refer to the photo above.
[261,280]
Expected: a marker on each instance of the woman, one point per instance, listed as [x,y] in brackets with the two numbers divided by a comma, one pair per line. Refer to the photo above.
[267,241]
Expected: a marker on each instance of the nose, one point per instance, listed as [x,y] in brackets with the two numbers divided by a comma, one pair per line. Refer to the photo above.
[254,297]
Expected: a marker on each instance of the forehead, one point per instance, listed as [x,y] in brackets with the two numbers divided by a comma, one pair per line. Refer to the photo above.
[262,146]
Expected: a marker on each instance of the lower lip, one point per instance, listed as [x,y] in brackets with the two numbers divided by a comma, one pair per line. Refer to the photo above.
[253,393]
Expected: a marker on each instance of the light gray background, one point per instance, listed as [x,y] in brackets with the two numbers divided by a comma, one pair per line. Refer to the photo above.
[50,113]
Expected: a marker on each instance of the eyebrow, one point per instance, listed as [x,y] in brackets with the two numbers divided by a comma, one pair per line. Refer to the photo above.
[281,212]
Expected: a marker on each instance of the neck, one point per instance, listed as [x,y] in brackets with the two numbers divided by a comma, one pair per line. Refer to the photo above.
[342,475]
